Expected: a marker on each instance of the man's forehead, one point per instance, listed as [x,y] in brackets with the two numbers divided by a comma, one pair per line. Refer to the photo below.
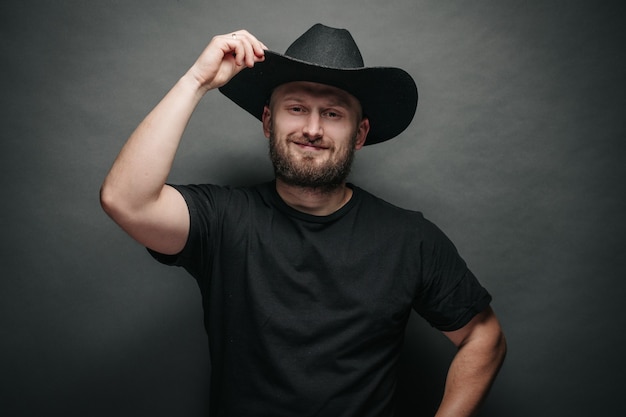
[299,88]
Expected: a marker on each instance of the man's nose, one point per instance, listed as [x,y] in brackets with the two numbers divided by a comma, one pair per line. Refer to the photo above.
[312,129]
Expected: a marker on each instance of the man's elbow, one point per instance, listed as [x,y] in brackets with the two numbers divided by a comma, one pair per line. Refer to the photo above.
[107,199]
[493,339]
[500,347]
[112,202]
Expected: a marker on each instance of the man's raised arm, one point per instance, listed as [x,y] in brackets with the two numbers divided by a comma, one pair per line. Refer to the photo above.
[134,193]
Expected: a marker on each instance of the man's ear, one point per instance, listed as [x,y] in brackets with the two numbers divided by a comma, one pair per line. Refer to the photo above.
[361,134]
[267,121]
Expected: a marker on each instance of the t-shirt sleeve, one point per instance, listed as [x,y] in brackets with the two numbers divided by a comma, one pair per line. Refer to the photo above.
[449,295]
[203,205]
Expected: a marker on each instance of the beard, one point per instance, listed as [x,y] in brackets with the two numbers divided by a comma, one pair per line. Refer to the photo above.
[306,172]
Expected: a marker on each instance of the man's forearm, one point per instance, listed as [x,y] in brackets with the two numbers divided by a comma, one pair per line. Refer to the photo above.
[141,169]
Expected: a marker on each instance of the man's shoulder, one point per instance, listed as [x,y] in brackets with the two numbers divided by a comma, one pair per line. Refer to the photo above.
[222,191]
[383,205]
[217,201]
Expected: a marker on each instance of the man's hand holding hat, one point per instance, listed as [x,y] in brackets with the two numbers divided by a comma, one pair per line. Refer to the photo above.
[224,57]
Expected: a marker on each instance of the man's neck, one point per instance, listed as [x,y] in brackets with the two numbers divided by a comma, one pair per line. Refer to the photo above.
[315,201]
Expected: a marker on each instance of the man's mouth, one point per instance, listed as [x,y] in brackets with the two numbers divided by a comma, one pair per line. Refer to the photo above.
[313,146]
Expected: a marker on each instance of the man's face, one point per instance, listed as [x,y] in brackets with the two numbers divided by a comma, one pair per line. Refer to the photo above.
[314,130]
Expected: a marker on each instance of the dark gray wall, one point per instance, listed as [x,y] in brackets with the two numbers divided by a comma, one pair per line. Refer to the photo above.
[517,152]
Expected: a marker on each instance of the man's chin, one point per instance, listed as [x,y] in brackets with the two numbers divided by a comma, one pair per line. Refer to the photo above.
[312,184]
[310,169]
[310,174]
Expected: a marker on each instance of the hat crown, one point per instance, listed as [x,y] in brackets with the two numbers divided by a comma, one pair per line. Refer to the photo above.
[328,47]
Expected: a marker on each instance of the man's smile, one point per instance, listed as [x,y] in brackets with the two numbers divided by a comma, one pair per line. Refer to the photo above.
[307,145]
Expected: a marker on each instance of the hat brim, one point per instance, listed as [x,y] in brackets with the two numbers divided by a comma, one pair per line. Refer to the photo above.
[387,95]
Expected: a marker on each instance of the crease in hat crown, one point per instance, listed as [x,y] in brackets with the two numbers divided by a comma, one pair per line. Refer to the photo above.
[330,56]
[327,47]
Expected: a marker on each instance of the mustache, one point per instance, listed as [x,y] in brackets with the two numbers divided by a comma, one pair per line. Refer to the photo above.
[303,140]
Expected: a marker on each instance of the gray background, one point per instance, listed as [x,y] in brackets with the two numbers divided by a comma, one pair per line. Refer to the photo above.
[516,151]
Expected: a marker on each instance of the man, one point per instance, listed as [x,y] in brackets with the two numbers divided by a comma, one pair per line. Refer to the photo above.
[308,281]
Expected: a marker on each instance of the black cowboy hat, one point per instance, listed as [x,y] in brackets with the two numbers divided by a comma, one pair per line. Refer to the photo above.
[330,56]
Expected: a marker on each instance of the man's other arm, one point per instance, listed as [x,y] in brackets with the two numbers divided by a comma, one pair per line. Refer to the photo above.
[481,351]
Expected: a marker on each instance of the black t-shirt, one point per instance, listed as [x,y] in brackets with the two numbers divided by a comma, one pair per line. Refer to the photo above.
[306,314]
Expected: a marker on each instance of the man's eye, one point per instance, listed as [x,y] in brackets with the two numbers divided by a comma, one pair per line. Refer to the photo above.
[331,114]
[296,109]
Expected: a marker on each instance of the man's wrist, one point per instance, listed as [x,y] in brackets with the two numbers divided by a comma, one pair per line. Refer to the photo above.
[190,83]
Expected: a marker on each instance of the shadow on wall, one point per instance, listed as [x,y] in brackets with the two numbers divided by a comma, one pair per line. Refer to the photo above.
[161,372]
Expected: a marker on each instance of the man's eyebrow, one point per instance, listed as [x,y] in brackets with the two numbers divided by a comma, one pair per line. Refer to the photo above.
[340,101]
[293,97]
[330,100]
